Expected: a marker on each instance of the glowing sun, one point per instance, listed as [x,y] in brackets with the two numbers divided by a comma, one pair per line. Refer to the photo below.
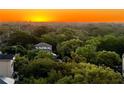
[38,19]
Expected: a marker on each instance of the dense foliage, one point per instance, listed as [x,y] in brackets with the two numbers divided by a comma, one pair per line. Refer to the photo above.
[86,53]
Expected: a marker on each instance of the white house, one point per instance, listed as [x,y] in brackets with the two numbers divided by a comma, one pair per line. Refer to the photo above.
[6,65]
[46,47]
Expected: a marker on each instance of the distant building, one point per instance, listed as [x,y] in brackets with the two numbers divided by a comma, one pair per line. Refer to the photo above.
[6,65]
[44,46]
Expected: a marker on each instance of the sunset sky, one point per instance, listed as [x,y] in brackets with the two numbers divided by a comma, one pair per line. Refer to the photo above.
[62,15]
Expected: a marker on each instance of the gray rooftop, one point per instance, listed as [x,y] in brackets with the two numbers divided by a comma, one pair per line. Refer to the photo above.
[42,44]
[6,56]
[6,80]
[2,82]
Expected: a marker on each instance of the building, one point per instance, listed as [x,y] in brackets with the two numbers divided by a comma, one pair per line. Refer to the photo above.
[6,65]
[44,46]
[6,80]
[123,65]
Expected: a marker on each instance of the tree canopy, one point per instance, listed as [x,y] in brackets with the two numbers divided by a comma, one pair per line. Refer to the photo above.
[87,53]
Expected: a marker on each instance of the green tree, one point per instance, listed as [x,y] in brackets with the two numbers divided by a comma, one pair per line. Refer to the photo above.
[77,58]
[31,54]
[53,76]
[88,51]
[112,43]
[66,47]
[33,80]
[22,38]
[20,65]
[41,30]
[95,41]
[65,80]
[59,36]
[43,54]
[39,67]
[84,73]
[53,39]
[108,58]
[14,49]
[69,33]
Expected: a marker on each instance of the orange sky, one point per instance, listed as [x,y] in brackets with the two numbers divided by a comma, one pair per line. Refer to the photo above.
[62,15]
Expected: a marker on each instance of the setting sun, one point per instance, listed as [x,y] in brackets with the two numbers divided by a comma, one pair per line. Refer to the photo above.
[61,15]
[37,19]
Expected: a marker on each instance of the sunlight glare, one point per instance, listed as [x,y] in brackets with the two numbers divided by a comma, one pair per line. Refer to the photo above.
[38,19]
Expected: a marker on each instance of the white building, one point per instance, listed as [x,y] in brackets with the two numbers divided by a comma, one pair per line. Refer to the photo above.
[6,65]
[123,65]
[44,46]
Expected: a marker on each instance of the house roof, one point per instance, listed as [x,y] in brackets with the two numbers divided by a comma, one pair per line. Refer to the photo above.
[6,80]
[42,44]
[6,56]
[2,82]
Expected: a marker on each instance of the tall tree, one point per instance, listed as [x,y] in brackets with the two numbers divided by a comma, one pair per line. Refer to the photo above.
[66,47]
[109,59]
